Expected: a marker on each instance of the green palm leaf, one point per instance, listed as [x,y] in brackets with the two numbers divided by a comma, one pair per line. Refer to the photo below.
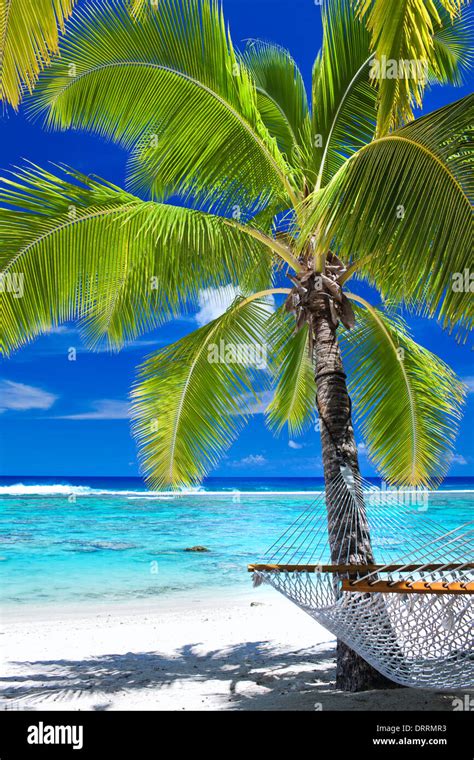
[452,46]
[281,97]
[407,400]
[294,396]
[402,208]
[137,7]
[192,400]
[29,37]
[403,30]
[170,87]
[344,101]
[94,253]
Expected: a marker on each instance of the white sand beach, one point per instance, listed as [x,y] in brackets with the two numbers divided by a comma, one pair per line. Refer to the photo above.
[253,651]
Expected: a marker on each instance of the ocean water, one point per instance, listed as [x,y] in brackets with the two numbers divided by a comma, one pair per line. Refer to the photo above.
[108,540]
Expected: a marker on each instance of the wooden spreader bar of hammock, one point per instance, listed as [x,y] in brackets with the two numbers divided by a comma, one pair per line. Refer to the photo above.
[359,569]
[408,587]
[366,585]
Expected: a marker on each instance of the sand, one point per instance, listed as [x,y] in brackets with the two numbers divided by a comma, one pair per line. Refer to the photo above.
[252,651]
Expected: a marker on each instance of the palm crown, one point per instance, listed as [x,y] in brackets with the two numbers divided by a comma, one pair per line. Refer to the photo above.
[236,178]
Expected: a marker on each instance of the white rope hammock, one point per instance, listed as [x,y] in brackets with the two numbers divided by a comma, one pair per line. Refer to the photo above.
[409,612]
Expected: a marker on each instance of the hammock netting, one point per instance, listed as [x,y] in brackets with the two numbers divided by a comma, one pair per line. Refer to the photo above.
[409,611]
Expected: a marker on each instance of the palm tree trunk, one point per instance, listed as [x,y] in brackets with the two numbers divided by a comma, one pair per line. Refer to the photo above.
[339,449]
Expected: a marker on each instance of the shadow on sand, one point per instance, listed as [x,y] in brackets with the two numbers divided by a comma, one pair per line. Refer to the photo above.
[251,676]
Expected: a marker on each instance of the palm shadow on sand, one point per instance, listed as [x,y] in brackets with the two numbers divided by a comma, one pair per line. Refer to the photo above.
[299,680]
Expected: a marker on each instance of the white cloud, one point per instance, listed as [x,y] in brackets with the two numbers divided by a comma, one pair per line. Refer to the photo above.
[103,409]
[362,449]
[294,445]
[260,406]
[61,330]
[20,398]
[458,459]
[253,459]
[469,381]
[144,344]
[213,302]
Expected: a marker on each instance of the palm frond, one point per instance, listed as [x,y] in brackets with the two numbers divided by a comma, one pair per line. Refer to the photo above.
[404,32]
[281,97]
[344,100]
[169,86]
[294,397]
[192,398]
[407,400]
[402,209]
[29,38]
[452,43]
[86,250]
[137,7]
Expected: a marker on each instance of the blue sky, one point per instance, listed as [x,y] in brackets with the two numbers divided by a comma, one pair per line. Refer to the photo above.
[62,417]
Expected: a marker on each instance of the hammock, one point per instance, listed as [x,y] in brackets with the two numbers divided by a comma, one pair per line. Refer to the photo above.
[409,614]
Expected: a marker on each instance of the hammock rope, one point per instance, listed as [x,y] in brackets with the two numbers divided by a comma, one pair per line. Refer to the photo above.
[408,610]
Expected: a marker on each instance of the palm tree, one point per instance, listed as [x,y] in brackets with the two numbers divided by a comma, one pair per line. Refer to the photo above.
[236,179]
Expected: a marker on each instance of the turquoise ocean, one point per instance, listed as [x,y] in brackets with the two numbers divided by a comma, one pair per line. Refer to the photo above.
[70,541]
